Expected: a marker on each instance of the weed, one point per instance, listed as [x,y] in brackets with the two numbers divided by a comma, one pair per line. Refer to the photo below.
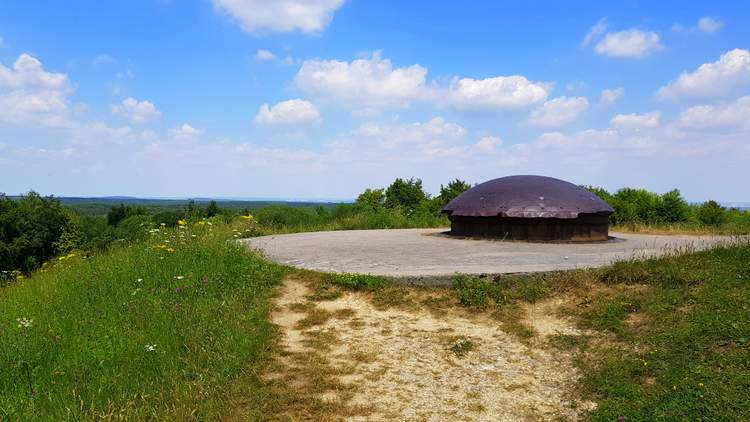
[461,347]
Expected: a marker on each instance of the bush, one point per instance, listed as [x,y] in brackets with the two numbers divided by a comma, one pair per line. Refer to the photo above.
[711,213]
[121,212]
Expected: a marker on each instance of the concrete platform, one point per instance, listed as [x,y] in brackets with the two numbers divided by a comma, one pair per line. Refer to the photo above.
[417,254]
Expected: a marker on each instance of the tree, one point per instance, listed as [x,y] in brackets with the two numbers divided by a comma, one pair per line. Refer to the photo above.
[371,199]
[711,213]
[405,194]
[29,228]
[453,189]
[212,209]
[122,211]
[672,208]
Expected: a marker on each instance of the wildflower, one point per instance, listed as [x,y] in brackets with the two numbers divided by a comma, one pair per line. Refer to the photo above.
[135,292]
[181,222]
[247,217]
[19,277]
[179,277]
[24,323]
[163,224]
[700,384]
[71,255]
[139,280]
[170,249]
[150,347]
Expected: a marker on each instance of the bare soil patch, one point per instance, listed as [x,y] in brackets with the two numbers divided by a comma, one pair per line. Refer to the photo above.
[413,364]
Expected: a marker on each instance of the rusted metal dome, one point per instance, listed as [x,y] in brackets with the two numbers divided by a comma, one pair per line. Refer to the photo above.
[527,197]
[529,208]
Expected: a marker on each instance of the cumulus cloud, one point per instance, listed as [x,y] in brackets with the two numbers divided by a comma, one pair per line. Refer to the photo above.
[264,55]
[735,114]
[137,112]
[714,79]
[709,25]
[595,32]
[288,113]
[27,72]
[497,93]
[631,43]
[186,131]
[372,82]
[31,95]
[488,144]
[610,96]
[309,16]
[558,111]
[636,121]
[432,135]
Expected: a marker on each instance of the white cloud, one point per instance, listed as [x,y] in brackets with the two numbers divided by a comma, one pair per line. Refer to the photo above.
[734,114]
[715,79]
[498,93]
[186,131]
[488,144]
[636,121]
[29,95]
[288,113]
[432,133]
[709,25]
[27,72]
[633,43]
[610,96]
[370,83]
[264,55]
[254,16]
[558,111]
[595,32]
[137,112]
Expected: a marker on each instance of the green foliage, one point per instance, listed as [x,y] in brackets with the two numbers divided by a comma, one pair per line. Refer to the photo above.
[406,195]
[212,209]
[711,213]
[371,200]
[29,230]
[122,211]
[672,208]
[453,189]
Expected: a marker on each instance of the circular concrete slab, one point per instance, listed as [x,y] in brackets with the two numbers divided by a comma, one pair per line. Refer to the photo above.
[425,253]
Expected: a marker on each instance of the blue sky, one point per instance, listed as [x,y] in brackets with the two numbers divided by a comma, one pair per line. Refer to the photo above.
[324,98]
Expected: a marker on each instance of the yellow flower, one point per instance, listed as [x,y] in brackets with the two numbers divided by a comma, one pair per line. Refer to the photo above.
[181,222]
[201,223]
[170,250]
[247,217]
[71,255]
[700,384]
[19,277]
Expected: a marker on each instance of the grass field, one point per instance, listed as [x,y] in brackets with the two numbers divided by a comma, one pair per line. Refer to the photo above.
[164,329]
[177,328]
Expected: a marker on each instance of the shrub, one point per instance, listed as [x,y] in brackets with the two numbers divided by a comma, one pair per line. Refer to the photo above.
[711,213]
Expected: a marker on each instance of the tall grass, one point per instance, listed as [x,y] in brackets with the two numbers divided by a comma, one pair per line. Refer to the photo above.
[158,329]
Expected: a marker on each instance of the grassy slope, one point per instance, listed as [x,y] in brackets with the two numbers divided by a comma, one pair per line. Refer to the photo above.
[681,338]
[92,319]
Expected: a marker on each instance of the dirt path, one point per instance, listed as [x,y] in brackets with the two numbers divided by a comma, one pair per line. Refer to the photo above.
[395,364]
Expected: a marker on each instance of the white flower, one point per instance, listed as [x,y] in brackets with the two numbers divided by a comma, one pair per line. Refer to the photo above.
[150,347]
[179,277]
[139,280]
[24,323]
[163,224]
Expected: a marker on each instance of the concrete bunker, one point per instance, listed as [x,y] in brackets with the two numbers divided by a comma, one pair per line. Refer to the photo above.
[530,208]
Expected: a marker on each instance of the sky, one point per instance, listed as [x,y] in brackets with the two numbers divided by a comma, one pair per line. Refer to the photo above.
[320,99]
